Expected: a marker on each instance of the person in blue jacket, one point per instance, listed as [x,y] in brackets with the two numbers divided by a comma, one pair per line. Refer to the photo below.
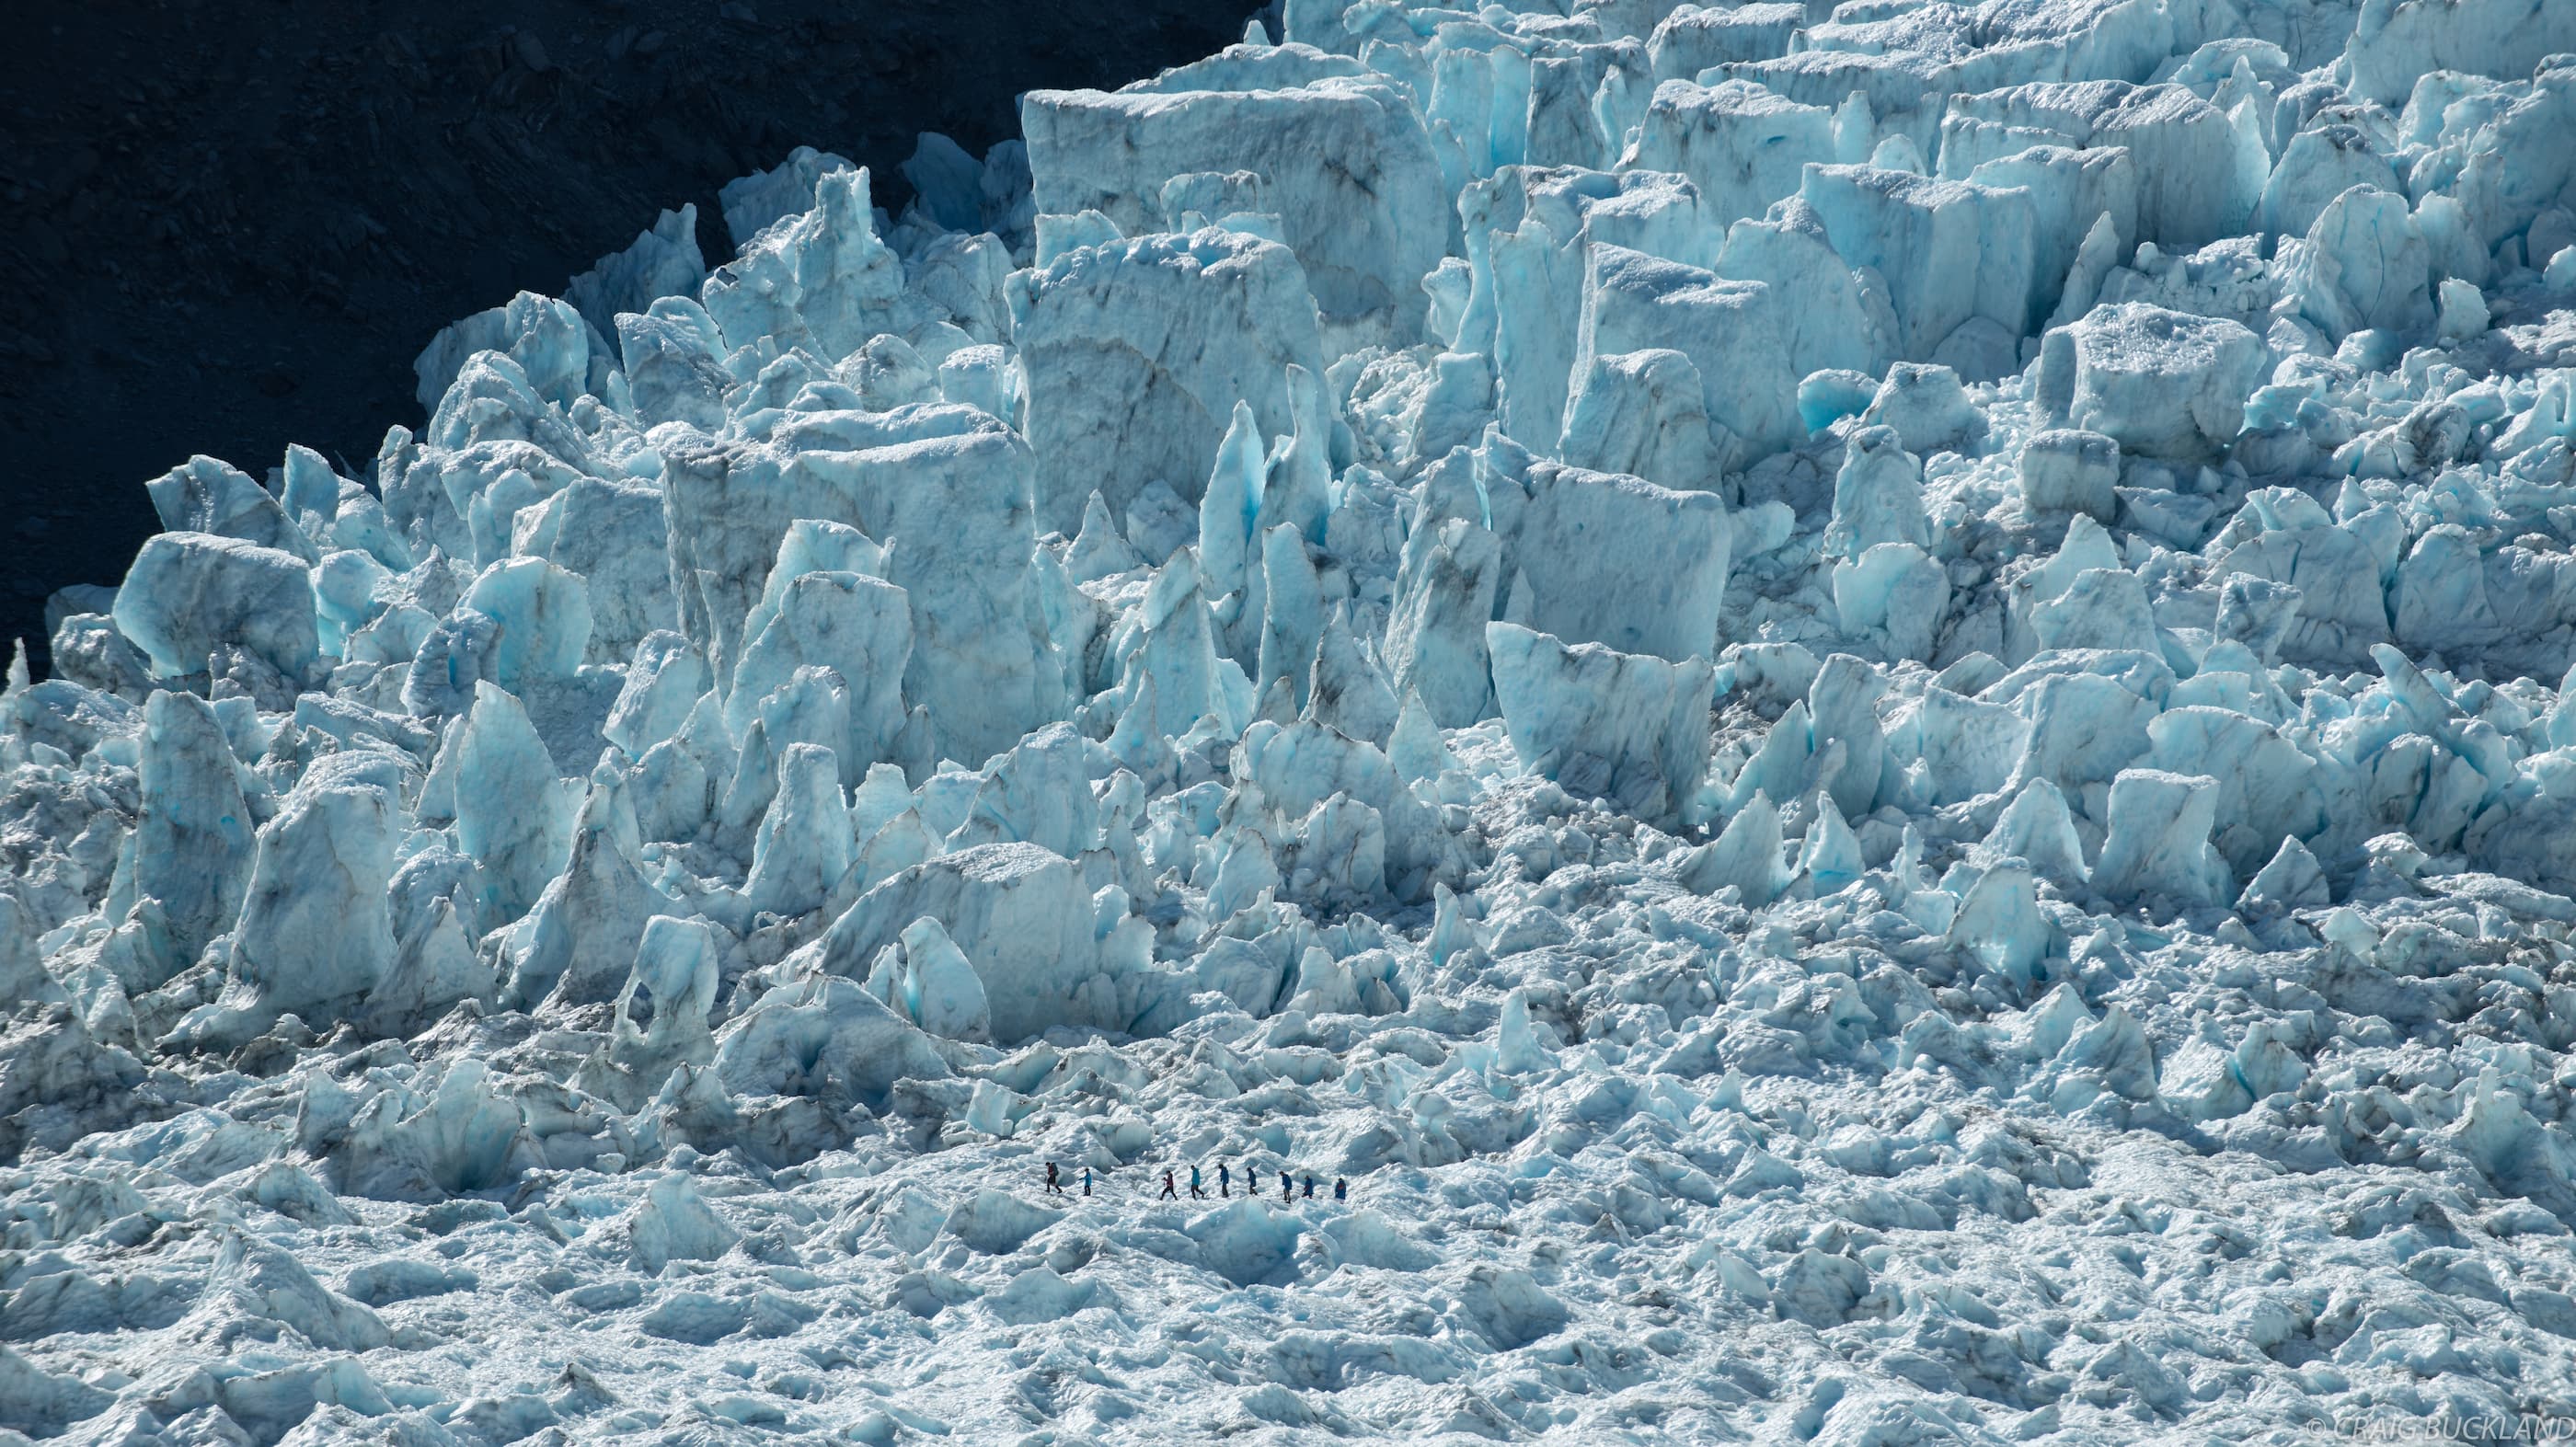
[1195,1189]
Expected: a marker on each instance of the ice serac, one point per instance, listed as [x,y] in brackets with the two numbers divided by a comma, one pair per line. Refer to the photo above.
[257,1290]
[434,967]
[939,988]
[662,1010]
[1645,414]
[1878,495]
[663,683]
[1623,562]
[1527,234]
[804,845]
[1137,352]
[610,534]
[674,365]
[1730,331]
[1745,857]
[1743,146]
[1840,322]
[2198,176]
[2159,383]
[203,495]
[2069,470]
[511,814]
[542,337]
[2397,42]
[1602,723]
[1958,257]
[2156,840]
[1695,38]
[189,593]
[1344,164]
[1021,917]
[1435,640]
[751,204]
[950,486]
[664,260]
[2318,165]
[821,1037]
[1038,793]
[860,629]
[2365,265]
[820,278]
[1292,611]
[2078,194]
[581,933]
[539,618]
[193,847]
[314,932]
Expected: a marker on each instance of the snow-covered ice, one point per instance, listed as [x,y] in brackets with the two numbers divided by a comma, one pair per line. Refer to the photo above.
[1868,710]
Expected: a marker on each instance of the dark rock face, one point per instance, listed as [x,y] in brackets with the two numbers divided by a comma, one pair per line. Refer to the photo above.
[231,224]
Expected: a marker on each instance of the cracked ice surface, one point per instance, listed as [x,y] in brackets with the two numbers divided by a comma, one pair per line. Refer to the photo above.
[1865,706]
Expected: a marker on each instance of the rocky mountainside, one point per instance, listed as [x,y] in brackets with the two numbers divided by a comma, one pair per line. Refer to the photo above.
[233,223]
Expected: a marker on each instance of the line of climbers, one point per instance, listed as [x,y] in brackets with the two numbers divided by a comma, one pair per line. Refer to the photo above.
[1224,1184]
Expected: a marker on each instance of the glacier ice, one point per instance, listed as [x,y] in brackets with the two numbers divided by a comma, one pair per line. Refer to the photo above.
[1862,709]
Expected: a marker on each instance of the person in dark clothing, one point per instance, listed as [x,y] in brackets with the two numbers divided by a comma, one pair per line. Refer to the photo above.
[1196,1191]
[1225,1180]
[1170,1192]
[1054,1187]
[1287,1185]
[1310,1188]
[1341,1189]
[1086,1180]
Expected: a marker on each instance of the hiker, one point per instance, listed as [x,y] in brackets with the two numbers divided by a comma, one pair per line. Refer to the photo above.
[1169,1194]
[1054,1187]
[1287,1184]
[1086,1180]
[1310,1187]
[1225,1180]
[1341,1189]
[1195,1189]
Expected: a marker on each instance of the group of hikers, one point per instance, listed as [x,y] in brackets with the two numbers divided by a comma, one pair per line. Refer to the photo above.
[1224,1184]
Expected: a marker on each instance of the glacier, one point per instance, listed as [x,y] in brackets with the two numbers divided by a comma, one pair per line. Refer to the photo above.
[1867,710]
